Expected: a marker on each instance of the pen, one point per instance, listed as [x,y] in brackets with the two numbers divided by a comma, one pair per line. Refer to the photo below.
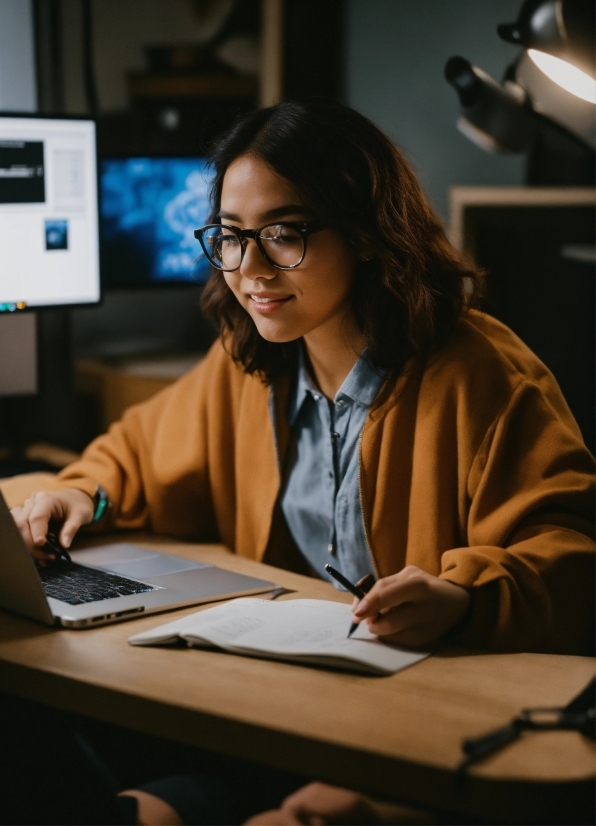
[360,590]
[56,548]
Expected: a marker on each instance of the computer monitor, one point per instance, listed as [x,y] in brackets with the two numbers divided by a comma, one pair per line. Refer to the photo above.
[150,208]
[49,228]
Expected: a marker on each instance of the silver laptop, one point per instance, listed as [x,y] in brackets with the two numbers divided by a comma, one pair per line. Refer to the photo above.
[109,583]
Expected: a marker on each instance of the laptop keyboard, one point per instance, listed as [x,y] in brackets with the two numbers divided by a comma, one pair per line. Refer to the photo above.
[77,584]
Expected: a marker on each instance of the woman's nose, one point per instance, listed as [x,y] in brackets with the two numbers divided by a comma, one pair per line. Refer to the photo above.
[254,264]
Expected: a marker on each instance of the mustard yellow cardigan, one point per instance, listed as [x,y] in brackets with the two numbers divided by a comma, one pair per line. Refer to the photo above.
[471,468]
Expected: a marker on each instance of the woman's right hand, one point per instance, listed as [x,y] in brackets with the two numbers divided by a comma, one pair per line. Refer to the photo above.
[70,507]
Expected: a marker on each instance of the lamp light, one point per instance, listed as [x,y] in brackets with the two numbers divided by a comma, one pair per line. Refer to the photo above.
[528,113]
[565,75]
[559,38]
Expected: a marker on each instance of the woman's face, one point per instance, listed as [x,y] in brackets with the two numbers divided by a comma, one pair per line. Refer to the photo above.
[311,300]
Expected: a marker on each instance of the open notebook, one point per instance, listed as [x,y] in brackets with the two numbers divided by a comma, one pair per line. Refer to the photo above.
[307,631]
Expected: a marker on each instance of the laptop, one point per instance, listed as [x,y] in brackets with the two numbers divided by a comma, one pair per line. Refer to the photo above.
[109,583]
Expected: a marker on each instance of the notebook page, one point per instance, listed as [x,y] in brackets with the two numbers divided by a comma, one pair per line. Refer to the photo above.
[302,629]
[172,631]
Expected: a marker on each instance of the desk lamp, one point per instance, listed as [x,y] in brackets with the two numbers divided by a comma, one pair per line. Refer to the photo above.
[559,39]
[545,105]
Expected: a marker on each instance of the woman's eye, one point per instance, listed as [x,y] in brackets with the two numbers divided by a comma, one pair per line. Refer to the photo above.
[281,236]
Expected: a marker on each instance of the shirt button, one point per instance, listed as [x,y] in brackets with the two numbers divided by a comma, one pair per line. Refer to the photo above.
[340,403]
[330,548]
[335,436]
[316,397]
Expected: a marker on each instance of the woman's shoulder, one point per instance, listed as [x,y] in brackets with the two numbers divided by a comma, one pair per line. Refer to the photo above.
[483,348]
[483,366]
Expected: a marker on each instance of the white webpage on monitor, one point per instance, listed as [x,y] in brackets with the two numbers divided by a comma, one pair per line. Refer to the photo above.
[49,235]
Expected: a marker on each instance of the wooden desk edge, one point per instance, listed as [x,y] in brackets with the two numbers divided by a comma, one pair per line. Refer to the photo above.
[371,773]
[533,801]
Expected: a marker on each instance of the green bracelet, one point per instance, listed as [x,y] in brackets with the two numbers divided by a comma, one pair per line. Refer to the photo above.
[101,502]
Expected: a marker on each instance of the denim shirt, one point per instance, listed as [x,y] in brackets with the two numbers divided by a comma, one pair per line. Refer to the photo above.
[321,493]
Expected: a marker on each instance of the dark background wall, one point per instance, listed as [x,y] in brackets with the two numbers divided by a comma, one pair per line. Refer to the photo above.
[384,57]
[396,51]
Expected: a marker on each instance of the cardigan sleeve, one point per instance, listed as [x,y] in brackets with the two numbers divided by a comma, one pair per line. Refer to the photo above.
[530,561]
[155,462]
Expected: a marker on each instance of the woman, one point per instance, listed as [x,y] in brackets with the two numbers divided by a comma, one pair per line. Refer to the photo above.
[356,408]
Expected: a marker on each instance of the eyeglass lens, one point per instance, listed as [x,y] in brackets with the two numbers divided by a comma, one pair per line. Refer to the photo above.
[282,244]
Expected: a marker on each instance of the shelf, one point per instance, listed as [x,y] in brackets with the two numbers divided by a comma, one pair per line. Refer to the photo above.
[143,85]
[119,385]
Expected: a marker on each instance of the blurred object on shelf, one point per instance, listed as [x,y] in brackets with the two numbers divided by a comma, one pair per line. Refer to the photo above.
[189,92]
[256,53]
[39,457]
[118,384]
[53,455]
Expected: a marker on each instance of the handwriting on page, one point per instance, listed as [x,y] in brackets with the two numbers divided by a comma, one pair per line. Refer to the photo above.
[232,628]
[297,624]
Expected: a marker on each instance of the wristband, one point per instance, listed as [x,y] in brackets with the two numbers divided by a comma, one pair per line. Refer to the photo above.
[101,503]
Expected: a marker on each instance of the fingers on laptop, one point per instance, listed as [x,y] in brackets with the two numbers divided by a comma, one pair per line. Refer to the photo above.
[21,516]
[73,508]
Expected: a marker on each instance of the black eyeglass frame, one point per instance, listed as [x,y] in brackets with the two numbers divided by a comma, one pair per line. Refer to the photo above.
[305,228]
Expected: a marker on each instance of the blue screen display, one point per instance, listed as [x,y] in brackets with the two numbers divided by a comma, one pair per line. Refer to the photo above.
[150,208]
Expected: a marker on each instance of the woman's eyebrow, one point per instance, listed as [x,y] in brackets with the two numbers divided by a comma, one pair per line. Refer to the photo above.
[271,214]
[288,209]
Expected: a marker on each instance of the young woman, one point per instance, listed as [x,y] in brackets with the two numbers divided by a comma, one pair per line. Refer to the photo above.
[356,408]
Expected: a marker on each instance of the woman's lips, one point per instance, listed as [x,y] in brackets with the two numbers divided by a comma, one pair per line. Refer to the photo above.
[265,305]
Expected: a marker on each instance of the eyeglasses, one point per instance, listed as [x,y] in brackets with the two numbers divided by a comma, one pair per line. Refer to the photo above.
[283,245]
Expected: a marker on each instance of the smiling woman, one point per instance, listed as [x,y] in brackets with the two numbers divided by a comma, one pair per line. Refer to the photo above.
[308,298]
[325,162]
[357,409]
[356,405]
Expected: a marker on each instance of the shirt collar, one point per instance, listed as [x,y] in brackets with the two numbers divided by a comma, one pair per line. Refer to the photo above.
[361,385]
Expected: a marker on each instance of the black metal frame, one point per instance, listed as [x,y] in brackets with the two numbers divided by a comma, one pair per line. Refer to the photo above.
[305,228]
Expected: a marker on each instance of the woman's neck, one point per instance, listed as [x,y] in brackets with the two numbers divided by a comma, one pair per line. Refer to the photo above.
[332,358]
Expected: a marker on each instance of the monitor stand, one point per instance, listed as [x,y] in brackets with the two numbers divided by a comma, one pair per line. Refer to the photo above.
[18,346]
[47,410]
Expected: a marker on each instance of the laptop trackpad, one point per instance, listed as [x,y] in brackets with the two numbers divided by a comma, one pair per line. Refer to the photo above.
[131,560]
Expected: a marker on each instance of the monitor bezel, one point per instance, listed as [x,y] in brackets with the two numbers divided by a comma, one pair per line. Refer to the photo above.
[149,285]
[89,119]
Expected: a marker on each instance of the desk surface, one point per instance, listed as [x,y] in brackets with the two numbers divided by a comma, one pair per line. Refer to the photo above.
[398,736]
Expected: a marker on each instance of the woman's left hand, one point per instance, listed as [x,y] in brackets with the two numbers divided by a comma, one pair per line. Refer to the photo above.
[412,608]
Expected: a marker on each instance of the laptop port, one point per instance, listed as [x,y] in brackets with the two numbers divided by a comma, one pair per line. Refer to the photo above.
[97,619]
[130,611]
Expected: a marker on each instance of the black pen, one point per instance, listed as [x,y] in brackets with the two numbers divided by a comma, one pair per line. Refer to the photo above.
[56,548]
[359,591]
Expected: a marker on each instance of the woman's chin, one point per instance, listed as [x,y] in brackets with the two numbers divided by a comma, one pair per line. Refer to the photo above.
[275,333]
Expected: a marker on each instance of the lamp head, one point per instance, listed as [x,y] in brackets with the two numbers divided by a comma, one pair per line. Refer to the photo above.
[559,38]
[491,116]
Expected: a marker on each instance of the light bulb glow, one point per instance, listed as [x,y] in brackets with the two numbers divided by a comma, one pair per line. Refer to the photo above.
[565,75]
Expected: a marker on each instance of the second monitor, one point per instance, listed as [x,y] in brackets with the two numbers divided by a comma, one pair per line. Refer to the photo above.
[150,208]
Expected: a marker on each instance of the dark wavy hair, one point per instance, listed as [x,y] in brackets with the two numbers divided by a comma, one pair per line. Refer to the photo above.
[407,298]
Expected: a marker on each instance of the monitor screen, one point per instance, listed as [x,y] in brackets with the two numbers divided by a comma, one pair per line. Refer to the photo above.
[150,208]
[49,232]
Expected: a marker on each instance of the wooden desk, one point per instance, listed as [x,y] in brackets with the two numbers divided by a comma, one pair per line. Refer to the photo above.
[398,736]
